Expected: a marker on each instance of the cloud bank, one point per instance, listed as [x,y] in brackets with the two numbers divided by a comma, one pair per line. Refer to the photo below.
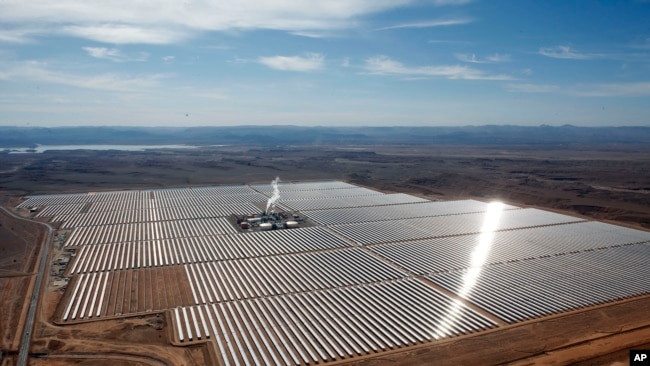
[309,62]
[386,66]
[163,22]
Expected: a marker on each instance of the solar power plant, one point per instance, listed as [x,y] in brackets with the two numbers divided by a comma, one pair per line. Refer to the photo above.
[371,272]
[398,211]
[360,201]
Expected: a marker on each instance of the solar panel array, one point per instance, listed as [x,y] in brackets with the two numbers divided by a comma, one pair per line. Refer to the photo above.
[164,252]
[154,214]
[327,193]
[456,252]
[360,201]
[302,186]
[437,226]
[195,192]
[119,233]
[66,199]
[105,294]
[527,289]
[397,211]
[175,197]
[54,210]
[327,325]
[386,263]
[276,275]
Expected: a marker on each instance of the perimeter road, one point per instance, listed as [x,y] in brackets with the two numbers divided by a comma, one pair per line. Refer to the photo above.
[29,324]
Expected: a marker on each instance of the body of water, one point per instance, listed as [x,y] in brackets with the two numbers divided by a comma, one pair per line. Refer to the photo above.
[42,148]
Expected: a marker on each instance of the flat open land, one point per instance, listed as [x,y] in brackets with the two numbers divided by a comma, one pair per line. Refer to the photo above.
[133,321]
[19,244]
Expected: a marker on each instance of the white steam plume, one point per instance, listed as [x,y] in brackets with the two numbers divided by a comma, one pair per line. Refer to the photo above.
[275,196]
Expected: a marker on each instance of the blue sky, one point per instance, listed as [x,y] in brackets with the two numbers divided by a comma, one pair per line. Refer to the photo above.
[335,62]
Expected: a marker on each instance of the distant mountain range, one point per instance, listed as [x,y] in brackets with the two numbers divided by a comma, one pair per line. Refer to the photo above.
[295,135]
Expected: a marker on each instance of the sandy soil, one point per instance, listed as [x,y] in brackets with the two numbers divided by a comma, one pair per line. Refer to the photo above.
[136,340]
[19,242]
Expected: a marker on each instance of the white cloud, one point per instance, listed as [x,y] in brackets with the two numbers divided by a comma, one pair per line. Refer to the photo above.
[40,72]
[17,35]
[311,34]
[430,23]
[158,22]
[309,62]
[168,58]
[384,65]
[566,52]
[125,34]
[114,54]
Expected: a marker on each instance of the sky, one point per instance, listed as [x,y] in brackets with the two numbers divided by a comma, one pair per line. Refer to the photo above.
[324,63]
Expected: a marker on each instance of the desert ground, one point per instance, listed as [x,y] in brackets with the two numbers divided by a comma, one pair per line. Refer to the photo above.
[609,183]
[19,245]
